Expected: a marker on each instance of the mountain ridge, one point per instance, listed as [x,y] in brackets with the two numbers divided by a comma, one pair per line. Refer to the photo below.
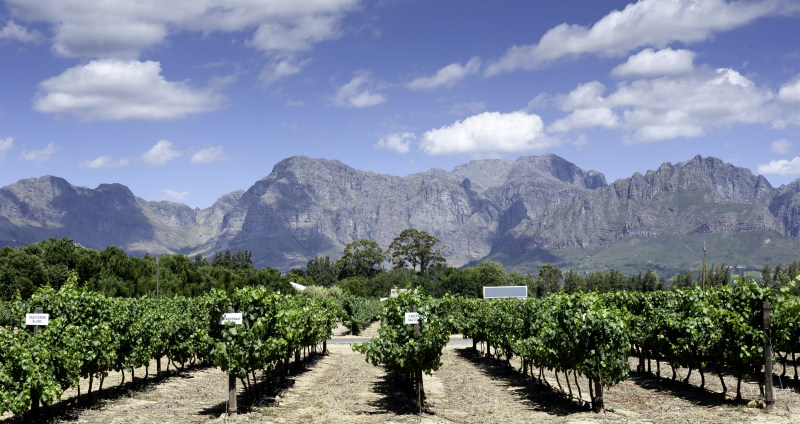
[529,207]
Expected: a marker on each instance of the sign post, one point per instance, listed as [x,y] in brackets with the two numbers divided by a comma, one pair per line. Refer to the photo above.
[769,400]
[414,316]
[37,319]
[237,319]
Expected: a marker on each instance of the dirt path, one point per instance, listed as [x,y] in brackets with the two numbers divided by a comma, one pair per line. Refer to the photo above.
[342,387]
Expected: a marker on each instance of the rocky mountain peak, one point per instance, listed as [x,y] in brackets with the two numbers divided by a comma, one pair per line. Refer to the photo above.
[511,208]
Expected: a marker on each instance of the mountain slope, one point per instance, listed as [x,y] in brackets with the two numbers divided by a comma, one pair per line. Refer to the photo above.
[523,212]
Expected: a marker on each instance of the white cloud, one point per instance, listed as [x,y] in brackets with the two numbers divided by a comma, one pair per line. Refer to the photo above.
[650,63]
[161,153]
[104,162]
[781,167]
[587,95]
[280,69]
[19,33]
[790,92]
[653,23]
[398,142]
[173,195]
[119,90]
[586,118]
[298,35]
[488,133]
[123,28]
[666,108]
[448,76]
[209,155]
[40,156]
[781,147]
[359,92]
[5,145]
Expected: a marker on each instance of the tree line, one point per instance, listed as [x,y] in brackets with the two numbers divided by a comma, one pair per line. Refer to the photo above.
[114,273]
[364,269]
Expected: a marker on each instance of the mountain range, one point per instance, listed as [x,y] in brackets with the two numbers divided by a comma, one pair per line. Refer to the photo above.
[523,213]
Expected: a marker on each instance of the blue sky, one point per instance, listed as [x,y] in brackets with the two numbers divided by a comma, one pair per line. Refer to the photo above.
[187,100]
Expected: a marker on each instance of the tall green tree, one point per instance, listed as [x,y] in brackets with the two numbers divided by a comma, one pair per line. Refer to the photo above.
[418,250]
[549,280]
[361,258]
[322,270]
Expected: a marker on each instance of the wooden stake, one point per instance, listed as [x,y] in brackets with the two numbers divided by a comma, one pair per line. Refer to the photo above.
[35,396]
[768,396]
[418,371]
[232,407]
[598,396]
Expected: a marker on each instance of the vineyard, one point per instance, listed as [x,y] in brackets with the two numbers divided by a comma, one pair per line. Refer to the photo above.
[574,348]
[90,335]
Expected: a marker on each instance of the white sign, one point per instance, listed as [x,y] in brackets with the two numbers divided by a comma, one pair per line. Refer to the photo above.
[37,319]
[235,318]
[412,318]
[519,292]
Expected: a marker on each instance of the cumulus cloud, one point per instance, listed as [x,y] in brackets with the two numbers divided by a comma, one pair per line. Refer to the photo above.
[781,167]
[209,155]
[122,29]
[40,156]
[161,153]
[651,63]
[781,147]
[790,92]
[5,145]
[398,142]
[448,76]
[14,32]
[586,95]
[298,35]
[359,92]
[112,89]
[282,68]
[586,118]
[105,162]
[665,108]
[489,133]
[653,23]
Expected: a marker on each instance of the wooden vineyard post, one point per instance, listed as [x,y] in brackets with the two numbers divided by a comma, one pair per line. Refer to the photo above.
[35,396]
[418,371]
[598,395]
[232,407]
[769,399]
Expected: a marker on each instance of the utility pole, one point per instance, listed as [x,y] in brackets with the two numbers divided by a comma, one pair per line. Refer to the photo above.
[704,267]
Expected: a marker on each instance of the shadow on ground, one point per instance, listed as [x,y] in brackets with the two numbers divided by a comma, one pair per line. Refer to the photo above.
[537,396]
[270,384]
[69,409]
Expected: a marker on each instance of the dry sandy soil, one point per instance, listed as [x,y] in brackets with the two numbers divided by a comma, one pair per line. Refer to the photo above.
[341,387]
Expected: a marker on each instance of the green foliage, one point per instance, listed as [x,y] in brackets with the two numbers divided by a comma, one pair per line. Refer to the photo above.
[359,312]
[417,249]
[397,348]
[355,286]
[566,332]
[321,270]
[241,259]
[361,258]
[274,326]
[549,281]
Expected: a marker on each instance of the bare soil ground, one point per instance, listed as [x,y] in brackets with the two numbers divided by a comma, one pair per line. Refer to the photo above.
[342,387]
